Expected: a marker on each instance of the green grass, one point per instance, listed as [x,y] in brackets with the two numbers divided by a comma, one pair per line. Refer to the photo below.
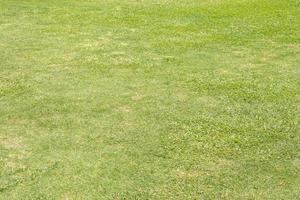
[149,99]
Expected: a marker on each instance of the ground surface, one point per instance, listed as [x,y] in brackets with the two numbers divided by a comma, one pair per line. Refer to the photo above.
[149,99]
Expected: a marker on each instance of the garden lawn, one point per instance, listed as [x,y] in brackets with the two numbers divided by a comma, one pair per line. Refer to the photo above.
[149,99]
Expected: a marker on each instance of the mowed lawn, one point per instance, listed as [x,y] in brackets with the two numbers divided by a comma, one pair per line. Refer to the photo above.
[149,99]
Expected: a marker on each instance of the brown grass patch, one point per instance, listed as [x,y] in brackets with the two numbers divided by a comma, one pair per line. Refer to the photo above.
[12,143]
[188,174]
[124,109]
[137,97]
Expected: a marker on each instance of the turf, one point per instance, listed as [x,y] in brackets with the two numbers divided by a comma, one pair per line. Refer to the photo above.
[149,99]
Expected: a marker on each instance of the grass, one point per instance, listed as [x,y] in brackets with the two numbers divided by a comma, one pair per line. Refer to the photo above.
[149,99]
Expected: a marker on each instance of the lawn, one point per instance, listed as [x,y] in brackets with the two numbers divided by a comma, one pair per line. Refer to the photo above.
[149,99]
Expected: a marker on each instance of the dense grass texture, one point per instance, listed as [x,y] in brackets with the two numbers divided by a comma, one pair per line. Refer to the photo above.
[149,99]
